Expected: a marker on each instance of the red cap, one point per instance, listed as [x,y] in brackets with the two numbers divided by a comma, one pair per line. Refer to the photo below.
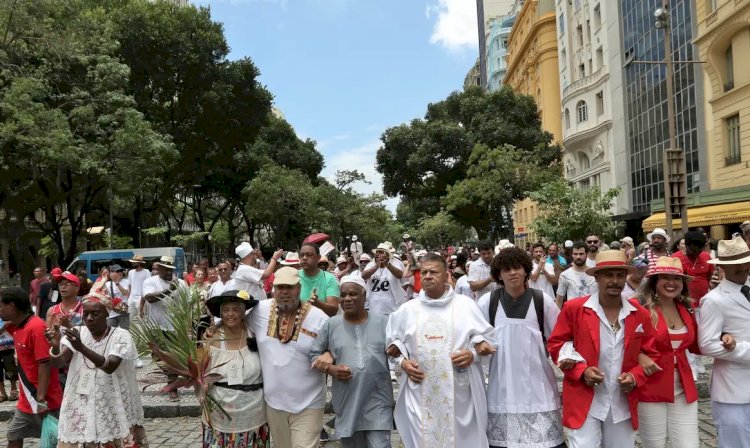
[56,272]
[69,276]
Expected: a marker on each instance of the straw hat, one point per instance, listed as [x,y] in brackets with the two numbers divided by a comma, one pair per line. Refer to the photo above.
[137,259]
[732,252]
[610,259]
[167,262]
[668,266]
[292,258]
[386,247]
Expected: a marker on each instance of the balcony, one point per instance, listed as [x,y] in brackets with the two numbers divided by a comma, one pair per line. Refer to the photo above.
[583,83]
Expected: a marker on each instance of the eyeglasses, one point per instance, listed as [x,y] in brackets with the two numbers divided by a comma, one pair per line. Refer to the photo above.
[592,241]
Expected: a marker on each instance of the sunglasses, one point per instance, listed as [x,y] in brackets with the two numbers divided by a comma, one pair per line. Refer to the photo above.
[592,241]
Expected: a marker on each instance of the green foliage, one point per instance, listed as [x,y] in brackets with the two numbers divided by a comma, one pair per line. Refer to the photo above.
[48,248]
[423,161]
[569,213]
[155,231]
[118,242]
[440,230]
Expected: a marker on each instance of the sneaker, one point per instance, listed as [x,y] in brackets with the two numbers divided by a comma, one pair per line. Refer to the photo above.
[138,363]
[324,437]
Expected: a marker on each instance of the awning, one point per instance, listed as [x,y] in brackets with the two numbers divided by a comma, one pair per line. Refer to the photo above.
[710,215]
[95,230]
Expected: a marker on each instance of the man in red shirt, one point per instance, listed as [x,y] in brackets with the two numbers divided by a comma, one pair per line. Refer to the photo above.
[695,263]
[40,385]
[40,276]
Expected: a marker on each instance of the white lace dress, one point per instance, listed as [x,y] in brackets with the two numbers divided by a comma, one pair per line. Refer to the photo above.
[112,406]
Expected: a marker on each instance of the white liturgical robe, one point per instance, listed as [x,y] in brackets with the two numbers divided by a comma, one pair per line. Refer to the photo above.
[449,408]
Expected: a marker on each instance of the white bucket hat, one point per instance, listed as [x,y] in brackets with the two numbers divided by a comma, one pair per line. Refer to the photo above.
[658,232]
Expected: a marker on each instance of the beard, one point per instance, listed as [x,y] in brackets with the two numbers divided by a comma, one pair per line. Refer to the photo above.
[287,307]
[593,249]
[579,262]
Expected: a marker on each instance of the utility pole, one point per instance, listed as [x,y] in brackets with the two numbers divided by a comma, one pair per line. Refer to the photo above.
[673,161]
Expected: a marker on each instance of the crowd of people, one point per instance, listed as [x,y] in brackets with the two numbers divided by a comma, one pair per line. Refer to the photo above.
[473,336]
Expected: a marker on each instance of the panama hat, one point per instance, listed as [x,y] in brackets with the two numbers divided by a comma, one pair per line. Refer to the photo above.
[292,258]
[137,259]
[354,238]
[668,266]
[237,296]
[658,232]
[286,276]
[503,244]
[167,262]
[611,259]
[385,247]
[733,251]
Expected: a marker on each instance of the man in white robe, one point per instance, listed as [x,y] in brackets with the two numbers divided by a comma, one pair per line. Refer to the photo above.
[436,339]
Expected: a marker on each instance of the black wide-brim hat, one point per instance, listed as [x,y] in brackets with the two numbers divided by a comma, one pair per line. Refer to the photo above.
[238,296]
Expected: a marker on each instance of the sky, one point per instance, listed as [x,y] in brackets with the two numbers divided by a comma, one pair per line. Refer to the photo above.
[343,71]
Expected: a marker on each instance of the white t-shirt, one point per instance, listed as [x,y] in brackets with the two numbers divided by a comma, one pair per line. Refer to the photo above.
[156,312]
[219,287]
[384,291]
[590,263]
[575,284]
[463,288]
[113,291]
[478,271]
[289,384]
[248,278]
[136,279]
[542,283]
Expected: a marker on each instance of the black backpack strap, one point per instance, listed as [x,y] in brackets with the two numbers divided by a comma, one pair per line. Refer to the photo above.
[494,302]
[538,297]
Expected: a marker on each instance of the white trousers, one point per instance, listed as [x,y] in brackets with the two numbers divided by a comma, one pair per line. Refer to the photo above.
[602,434]
[676,421]
[732,424]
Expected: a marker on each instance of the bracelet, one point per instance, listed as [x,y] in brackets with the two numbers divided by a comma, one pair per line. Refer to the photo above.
[54,355]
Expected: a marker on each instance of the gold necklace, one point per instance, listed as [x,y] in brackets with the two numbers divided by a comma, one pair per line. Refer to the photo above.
[615,325]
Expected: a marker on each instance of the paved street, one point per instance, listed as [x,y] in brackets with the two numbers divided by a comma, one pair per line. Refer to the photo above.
[186,431]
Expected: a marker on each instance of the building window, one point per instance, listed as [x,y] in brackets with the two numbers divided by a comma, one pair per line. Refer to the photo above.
[712,5]
[579,33]
[562,25]
[597,16]
[585,163]
[599,58]
[733,156]
[600,103]
[567,119]
[581,71]
[729,63]
[583,111]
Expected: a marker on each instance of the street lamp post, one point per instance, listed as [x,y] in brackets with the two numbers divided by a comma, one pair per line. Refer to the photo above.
[675,172]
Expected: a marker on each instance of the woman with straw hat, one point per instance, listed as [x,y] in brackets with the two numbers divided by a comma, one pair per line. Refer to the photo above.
[240,391]
[668,406]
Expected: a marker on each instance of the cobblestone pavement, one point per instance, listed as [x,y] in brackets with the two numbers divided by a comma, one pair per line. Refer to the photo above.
[186,432]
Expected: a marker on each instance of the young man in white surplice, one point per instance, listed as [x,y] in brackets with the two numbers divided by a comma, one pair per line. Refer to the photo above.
[522,396]
[437,339]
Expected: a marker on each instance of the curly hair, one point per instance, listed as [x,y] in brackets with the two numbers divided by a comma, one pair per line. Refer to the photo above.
[649,297]
[512,257]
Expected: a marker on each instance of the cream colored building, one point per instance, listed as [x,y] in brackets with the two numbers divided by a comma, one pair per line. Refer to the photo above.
[589,47]
[723,42]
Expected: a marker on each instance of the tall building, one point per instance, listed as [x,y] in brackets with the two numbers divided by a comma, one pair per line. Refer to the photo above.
[646,99]
[592,98]
[532,59]
[497,49]
[473,77]
[486,11]
[723,41]
[532,69]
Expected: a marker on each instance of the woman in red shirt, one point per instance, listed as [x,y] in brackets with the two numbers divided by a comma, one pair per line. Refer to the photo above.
[668,402]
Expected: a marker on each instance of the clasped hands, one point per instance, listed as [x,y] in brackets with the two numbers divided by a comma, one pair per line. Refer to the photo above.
[461,359]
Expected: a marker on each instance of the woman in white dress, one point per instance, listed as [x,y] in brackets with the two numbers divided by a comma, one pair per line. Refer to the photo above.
[101,404]
[240,392]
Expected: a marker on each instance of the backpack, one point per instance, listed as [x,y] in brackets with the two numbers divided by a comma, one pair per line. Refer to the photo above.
[537,296]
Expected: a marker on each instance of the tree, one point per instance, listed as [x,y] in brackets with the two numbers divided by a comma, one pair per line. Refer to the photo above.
[440,230]
[567,213]
[495,179]
[422,160]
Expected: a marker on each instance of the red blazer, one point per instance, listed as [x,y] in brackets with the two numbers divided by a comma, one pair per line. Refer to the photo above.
[581,325]
[660,385]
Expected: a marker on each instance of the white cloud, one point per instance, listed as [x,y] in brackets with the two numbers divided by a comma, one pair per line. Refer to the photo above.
[456,25]
[362,159]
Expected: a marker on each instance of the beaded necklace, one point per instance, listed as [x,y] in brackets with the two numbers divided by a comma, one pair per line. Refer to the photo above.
[276,322]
